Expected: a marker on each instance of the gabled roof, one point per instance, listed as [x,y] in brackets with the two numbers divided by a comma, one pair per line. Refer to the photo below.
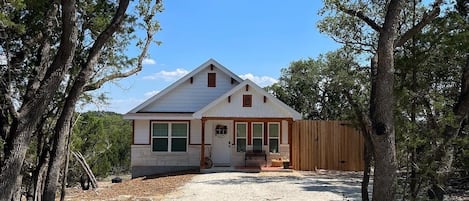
[293,113]
[183,79]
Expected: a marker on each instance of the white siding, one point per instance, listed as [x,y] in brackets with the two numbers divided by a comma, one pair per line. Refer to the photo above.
[141,132]
[235,107]
[189,97]
[196,127]
[196,131]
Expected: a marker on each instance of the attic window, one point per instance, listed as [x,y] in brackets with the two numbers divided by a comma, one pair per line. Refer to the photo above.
[247,100]
[212,79]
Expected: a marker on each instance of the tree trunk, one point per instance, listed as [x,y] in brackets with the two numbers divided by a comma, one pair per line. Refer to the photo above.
[368,157]
[62,129]
[61,133]
[65,171]
[382,108]
[38,175]
[33,107]
[365,125]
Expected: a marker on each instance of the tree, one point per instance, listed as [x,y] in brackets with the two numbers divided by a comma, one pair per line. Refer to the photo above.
[381,37]
[103,138]
[432,97]
[54,47]
[334,86]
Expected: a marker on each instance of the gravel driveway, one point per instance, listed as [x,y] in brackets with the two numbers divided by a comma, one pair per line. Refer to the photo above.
[324,185]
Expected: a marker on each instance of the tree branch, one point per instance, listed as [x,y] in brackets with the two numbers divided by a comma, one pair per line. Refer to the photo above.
[426,19]
[149,38]
[44,54]
[118,18]
[361,16]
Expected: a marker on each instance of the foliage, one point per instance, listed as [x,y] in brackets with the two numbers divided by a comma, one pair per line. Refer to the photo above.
[104,139]
[429,71]
[318,88]
[56,52]
[430,119]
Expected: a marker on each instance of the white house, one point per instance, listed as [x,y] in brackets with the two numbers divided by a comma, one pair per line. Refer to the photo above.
[210,112]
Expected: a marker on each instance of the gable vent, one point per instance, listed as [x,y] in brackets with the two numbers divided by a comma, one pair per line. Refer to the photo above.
[212,80]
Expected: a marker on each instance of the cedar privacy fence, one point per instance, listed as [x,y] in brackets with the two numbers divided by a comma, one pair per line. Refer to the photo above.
[330,145]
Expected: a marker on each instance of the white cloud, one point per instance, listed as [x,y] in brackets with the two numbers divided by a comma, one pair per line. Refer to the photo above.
[167,75]
[151,93]
[262,81]
[148,61]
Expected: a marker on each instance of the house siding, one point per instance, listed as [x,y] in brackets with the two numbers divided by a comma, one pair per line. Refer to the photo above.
[234,107]
[190,97]
[141,132]
[196,132]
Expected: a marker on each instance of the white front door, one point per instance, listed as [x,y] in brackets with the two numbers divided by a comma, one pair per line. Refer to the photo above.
[221,147]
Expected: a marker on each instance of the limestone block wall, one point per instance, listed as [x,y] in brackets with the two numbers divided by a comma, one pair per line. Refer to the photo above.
[143,156]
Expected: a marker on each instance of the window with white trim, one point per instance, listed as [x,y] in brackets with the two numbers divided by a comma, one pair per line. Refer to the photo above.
[241,136]
[274,135]
[169,136]
[257,135]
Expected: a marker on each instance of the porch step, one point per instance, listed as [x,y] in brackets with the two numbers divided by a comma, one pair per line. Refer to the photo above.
[250,169]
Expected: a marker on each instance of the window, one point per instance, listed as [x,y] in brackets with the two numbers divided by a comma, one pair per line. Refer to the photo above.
[274,133]
[212,79]
[247,100]
[257,133]
[241,133]
[170,136]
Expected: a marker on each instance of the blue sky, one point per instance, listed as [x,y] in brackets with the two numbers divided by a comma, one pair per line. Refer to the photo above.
[253,38]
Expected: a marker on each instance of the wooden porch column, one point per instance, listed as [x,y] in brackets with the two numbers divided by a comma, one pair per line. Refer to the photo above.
[202,146]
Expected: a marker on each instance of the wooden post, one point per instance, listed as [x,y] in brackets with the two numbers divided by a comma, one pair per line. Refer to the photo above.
[202,146]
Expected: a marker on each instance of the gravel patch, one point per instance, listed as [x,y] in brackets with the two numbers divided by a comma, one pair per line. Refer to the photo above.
[323,185]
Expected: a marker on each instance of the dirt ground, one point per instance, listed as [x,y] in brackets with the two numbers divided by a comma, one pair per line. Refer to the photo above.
[297,185]
[131,189]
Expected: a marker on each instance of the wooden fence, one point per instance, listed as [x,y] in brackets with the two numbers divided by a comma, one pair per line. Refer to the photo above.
[331,145]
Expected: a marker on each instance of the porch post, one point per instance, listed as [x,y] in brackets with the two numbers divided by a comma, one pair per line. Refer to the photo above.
[202,146]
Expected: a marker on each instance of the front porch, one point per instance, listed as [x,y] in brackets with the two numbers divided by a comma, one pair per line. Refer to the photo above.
[230,140]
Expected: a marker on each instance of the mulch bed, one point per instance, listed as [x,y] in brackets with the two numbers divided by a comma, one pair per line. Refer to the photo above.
[149,188]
